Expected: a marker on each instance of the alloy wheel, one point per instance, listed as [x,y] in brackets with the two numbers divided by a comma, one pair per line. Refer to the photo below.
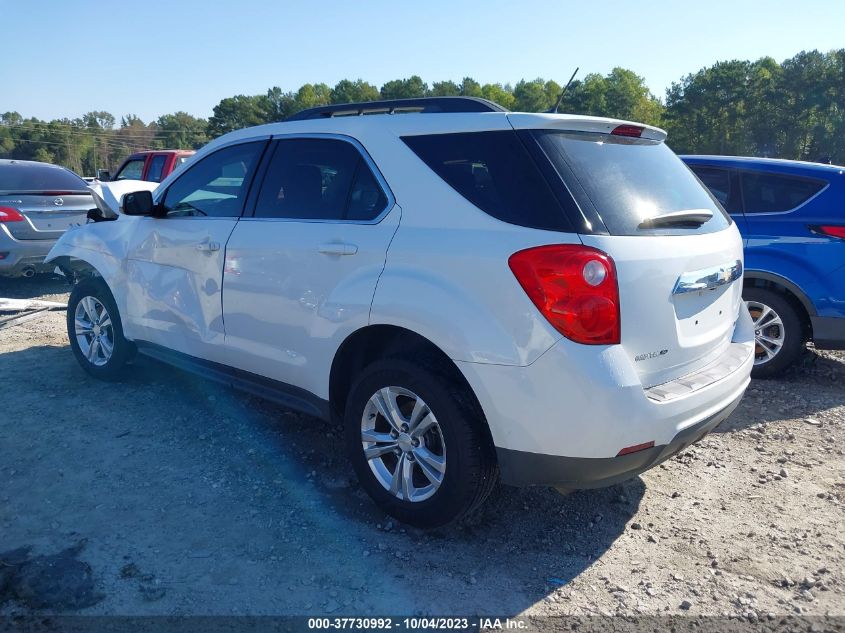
[403,444]
[94,331]
[769,333]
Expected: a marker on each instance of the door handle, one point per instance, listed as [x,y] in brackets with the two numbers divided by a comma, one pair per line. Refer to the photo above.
[208,247]
[337,248]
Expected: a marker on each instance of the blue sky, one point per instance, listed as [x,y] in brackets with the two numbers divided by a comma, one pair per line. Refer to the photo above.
[150,57]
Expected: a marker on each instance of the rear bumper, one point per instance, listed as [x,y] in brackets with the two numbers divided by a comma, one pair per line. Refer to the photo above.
[520,468]
[18,255]
[828,332]
[564,419]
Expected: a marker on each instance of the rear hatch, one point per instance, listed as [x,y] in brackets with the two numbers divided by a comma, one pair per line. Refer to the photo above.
[50,198]
[678,257]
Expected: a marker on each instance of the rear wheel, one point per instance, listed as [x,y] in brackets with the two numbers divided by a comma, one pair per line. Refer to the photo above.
[95,331]
[778,333]
[415,440]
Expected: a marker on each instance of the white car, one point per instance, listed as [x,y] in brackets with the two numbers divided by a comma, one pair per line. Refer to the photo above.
[473,294]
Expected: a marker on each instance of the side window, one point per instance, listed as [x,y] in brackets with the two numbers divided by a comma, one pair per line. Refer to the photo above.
[156,167]
[494,171]
[133,170]
[319,179]
[770,193]
[217,185]
[718,181]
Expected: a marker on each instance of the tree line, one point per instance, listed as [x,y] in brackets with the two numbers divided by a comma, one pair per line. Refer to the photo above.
[793,109]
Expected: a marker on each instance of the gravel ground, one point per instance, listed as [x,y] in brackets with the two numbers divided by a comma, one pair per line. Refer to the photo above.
[167,494]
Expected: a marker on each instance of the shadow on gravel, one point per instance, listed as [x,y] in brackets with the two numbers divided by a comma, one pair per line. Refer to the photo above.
[787,397]
[32,288]
[228,466]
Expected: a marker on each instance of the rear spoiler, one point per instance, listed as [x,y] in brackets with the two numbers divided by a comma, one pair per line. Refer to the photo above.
[568,122]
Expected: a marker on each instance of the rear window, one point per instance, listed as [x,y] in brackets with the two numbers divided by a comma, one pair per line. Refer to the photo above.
[626,180]
[21,177]
[494,171]
[770,193]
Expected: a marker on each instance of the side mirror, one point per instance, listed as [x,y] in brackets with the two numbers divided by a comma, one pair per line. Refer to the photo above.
[104,175]
[139,203]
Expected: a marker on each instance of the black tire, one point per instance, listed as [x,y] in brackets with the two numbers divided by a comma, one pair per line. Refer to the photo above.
[793,332]
[470,473]
[123,351]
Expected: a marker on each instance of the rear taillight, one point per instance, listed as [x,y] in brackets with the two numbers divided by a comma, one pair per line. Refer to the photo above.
[8,214]
[574,287]
[830,230]
[628,130]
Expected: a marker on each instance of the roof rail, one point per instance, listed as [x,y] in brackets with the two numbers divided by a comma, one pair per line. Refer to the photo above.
[392,106]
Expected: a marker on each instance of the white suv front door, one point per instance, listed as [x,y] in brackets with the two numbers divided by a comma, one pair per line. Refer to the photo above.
[175,262]
[301,273]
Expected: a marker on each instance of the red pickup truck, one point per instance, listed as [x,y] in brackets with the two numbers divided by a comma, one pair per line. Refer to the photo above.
[154,165]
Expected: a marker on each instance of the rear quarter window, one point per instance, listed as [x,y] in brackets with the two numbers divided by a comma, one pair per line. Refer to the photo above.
[494,171]
[775,193]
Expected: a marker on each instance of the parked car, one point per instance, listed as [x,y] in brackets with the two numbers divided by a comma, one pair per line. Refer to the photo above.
[470,292]
[790,215]
[38,202]
[153,166]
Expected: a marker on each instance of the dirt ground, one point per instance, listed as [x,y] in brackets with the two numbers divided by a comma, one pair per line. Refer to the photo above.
[167,494]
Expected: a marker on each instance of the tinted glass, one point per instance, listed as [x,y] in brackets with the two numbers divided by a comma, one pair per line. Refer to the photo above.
[719,182]
[319,179]
[494,171]
[217,185]
[133,170]
[769,193]
[627,180]
[21,177]
[366,199]
[156,167]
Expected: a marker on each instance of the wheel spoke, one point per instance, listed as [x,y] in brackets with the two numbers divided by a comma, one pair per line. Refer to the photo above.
[107,347]
[371,435]
[396,479]
[377,451]
[93,350]
[432,466]
[407,478]
[763,314]
[424,424]
[82,327]
[105,320]
[385,401]
[90,310]
[771,341]
[770,353]
[419,412]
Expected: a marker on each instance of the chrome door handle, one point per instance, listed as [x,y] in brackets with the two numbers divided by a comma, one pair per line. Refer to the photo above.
[708,278]
[208,247]
[337,248]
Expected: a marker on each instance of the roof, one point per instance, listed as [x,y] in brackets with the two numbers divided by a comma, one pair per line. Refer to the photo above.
[780,165]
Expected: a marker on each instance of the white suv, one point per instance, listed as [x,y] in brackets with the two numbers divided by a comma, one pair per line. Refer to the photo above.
[474,294]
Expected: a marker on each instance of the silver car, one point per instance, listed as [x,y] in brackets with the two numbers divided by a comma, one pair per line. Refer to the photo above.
[38,202]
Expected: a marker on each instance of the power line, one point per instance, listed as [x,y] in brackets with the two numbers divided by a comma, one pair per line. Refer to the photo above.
[72,129]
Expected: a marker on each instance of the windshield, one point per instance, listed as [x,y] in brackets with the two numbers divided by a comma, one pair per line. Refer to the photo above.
[626,180]
[24,177]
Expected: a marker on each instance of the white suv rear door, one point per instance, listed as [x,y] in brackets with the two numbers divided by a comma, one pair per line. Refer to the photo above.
[300,274]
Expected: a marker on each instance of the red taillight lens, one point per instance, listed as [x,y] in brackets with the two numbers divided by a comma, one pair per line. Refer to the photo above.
[8,214]
[628,130]
[832,231]
[574,287]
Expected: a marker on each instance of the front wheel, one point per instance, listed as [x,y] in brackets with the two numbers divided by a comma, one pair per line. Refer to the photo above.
[778,333]
[416,442]
[95,331]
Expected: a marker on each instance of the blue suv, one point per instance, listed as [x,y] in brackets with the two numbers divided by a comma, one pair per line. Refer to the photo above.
[792,218]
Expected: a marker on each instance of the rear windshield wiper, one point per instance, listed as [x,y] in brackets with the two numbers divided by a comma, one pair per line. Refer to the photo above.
[692,218]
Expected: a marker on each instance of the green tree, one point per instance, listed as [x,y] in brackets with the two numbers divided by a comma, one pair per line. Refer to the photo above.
[409,88]
[234,113]
[444,89]
[531,96]
[182,131]
[357,91]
